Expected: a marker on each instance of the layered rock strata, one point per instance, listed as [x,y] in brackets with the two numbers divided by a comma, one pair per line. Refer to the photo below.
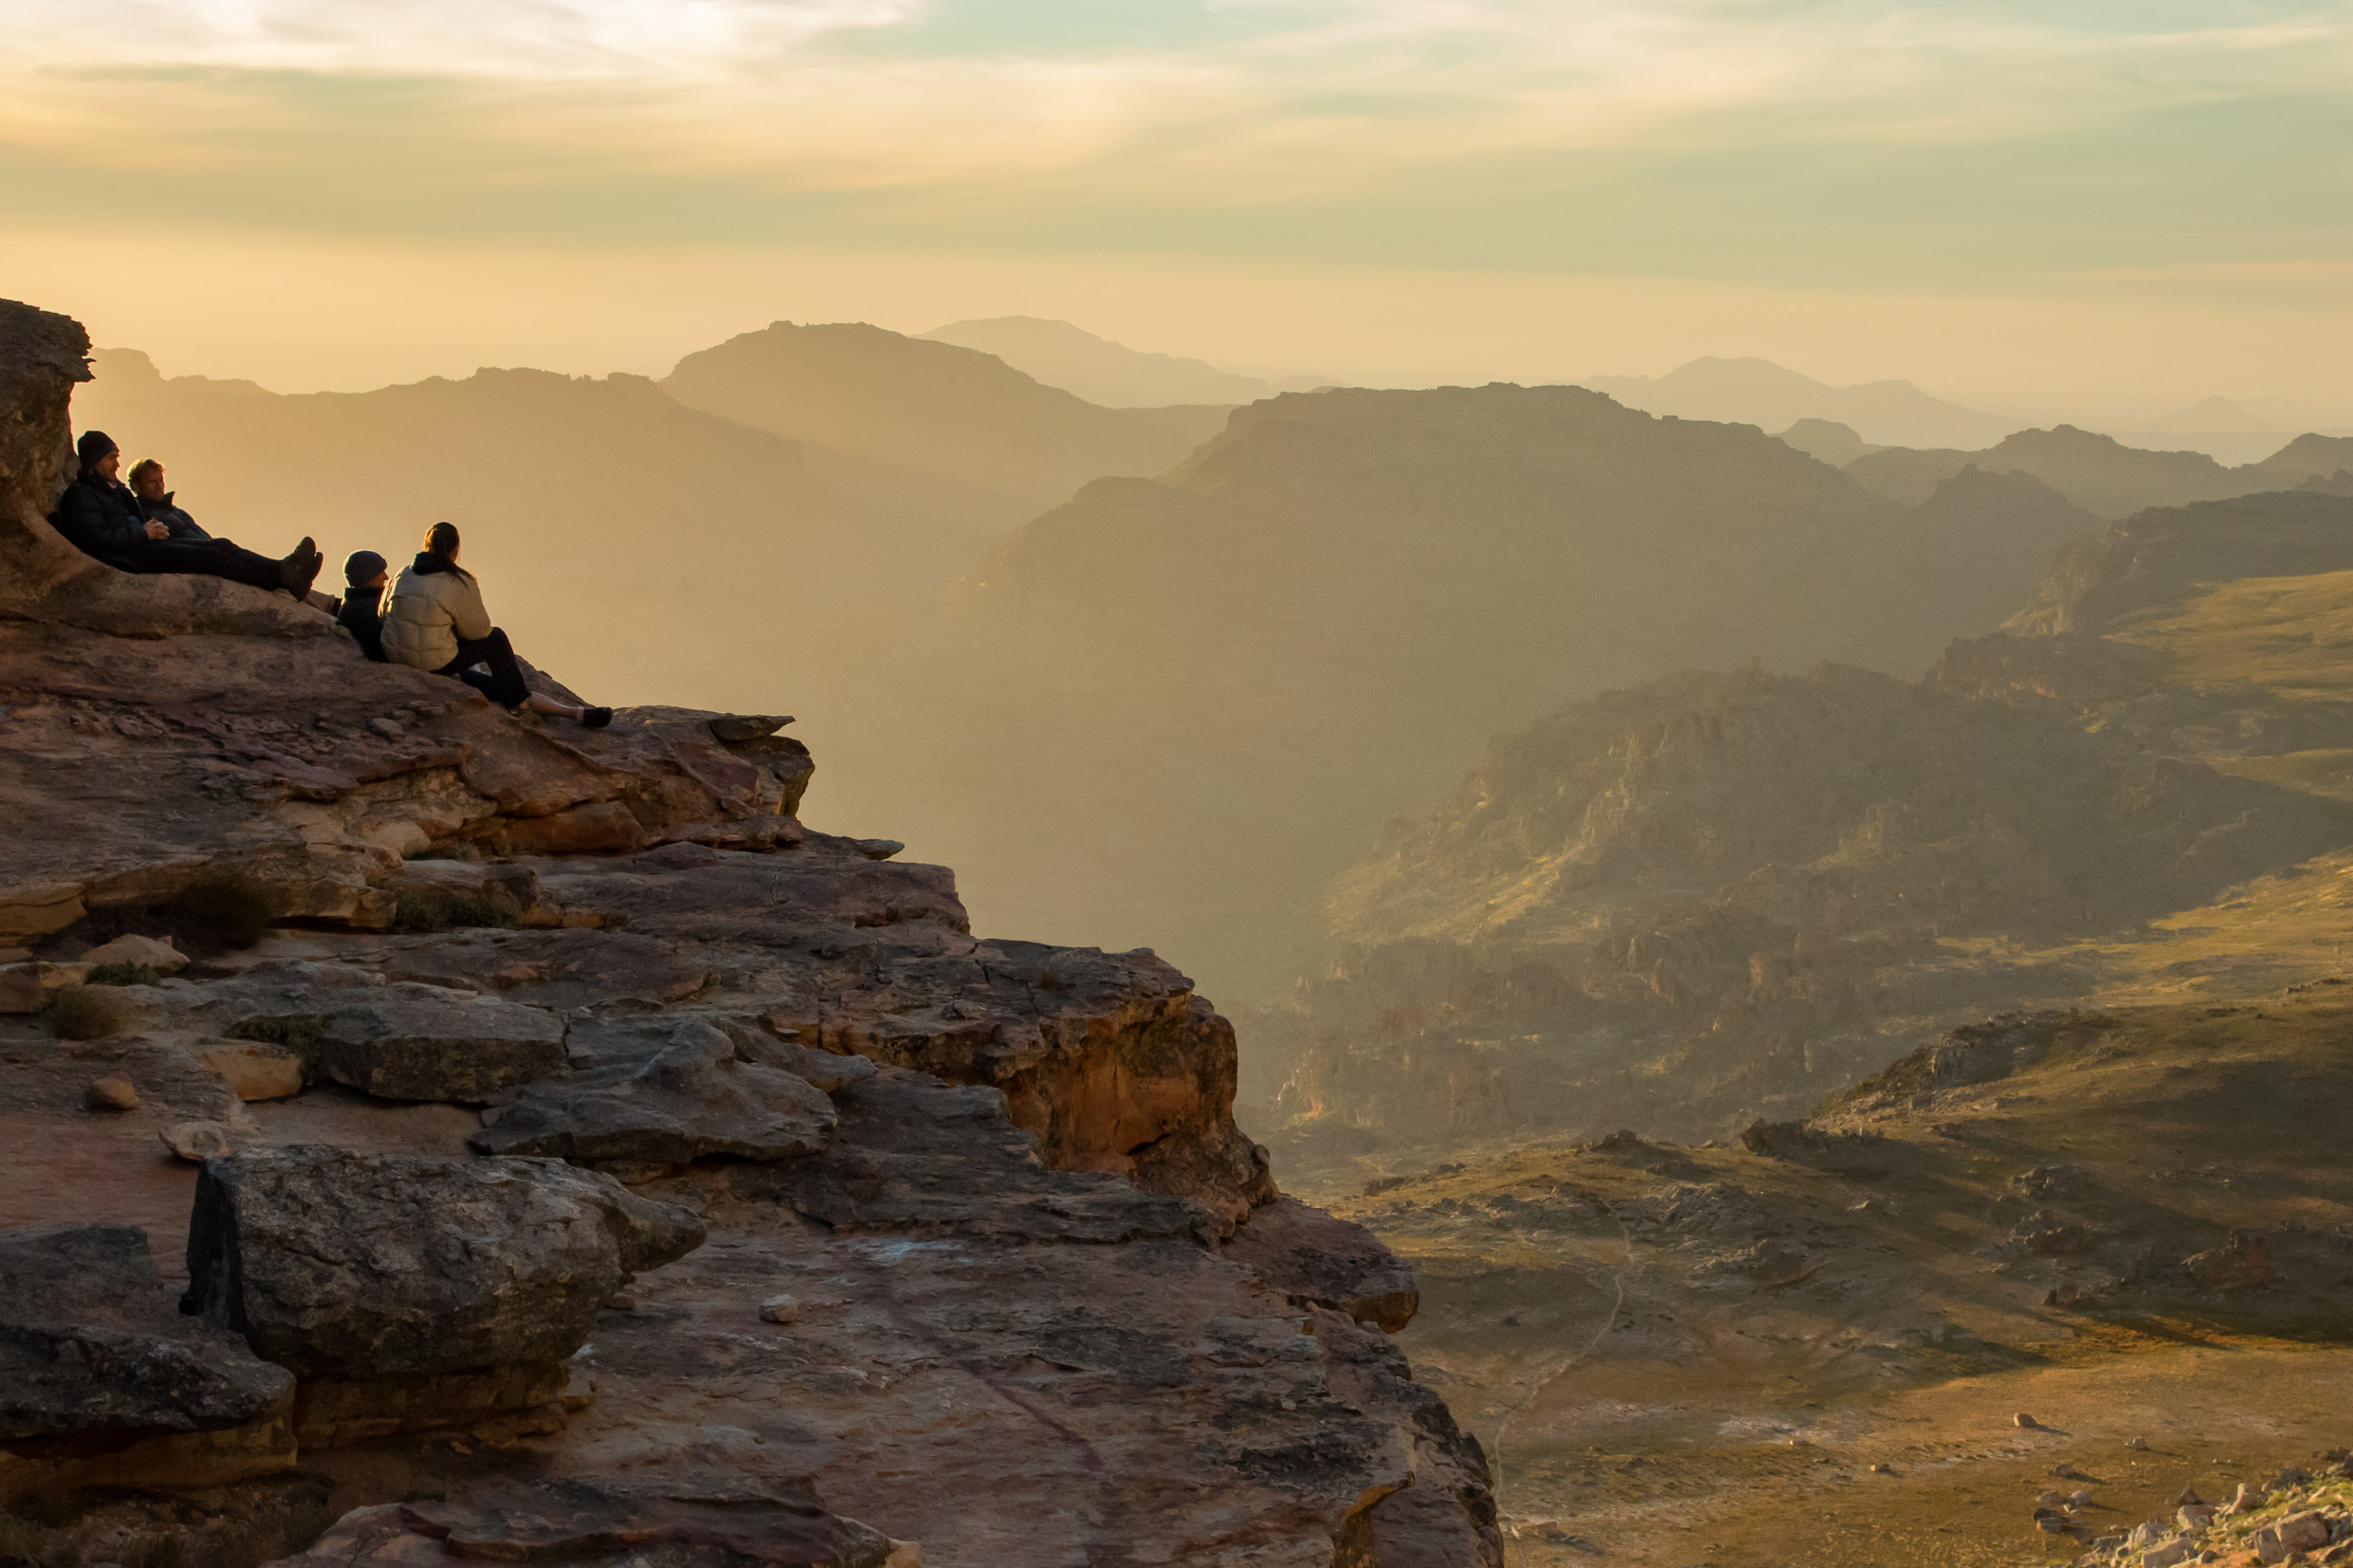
[622,1001]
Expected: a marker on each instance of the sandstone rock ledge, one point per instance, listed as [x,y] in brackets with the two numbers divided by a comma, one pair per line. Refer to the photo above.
[561,1053]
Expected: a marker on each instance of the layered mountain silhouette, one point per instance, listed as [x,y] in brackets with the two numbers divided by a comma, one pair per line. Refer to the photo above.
[1097,369]
[1759,392]
[1826,441]
[2103,474]
[931,413]
[1719,896]
[1201,692]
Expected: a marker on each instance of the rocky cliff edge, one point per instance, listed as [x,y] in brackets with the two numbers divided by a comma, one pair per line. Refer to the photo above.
[435,1135]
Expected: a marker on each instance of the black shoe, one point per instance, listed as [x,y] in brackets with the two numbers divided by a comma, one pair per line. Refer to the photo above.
[298,571]
[595,717]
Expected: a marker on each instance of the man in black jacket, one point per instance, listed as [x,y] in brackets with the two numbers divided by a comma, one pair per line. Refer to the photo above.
[98,514]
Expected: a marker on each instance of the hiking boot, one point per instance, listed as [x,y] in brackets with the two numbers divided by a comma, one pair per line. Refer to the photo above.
[300,570]
[595,717]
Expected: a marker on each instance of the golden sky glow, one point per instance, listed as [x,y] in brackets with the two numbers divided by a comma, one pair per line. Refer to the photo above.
[2101,203]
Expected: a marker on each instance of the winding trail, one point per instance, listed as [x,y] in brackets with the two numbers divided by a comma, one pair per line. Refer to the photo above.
[1535,1389]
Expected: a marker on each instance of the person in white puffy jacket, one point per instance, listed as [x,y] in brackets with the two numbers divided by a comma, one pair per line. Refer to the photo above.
[435,620]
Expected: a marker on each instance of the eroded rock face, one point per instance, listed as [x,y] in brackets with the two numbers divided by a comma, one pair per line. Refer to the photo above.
[1320,1259]
[336,1263]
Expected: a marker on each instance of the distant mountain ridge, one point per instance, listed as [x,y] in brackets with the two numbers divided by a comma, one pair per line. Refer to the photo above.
[1759,392]
[1715,896]
[1223,679]
[932,408]
[2101,474]
[1097,369]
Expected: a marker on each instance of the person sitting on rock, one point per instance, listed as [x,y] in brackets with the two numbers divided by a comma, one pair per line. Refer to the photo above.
[99,514]
[156,505]
[360,614]
[435,620]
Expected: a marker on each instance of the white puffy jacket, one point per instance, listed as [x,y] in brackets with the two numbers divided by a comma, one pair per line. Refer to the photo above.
[427,613]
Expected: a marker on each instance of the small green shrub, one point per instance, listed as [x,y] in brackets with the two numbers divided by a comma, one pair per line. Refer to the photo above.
[429,909]
[88,1012]
[218,913]
[123,974]
[300,1033]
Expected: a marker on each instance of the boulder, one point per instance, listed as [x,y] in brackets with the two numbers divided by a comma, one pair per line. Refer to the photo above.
[254,1069]
[688,1098]
[1320,1259]
[158,956]
[89,1343]
[337,1263]
[421,1042]
[723,1523]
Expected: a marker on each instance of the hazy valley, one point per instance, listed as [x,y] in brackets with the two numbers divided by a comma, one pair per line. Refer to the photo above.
[1787,756]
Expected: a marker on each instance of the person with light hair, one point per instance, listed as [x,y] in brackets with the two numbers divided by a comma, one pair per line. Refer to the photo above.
[435,620]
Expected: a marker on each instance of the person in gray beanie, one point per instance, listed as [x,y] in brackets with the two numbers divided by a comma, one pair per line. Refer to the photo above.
[361,612]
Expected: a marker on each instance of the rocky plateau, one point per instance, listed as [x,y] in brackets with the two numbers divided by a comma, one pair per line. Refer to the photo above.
[431,1134]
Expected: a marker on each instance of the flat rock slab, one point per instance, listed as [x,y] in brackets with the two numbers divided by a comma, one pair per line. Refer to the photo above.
[688,1099]
[563,968]
[421,1042]
[89,1344]
[724,1522]
[1320,1259]
[341,1264]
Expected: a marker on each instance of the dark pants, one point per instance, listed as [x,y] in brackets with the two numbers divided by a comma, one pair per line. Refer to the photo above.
[198,557]
[504,684]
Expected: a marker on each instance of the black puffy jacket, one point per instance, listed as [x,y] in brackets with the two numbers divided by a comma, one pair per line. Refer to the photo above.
[100,515]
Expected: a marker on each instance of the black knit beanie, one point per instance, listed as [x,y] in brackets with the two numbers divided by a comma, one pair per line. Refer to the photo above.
[94,446]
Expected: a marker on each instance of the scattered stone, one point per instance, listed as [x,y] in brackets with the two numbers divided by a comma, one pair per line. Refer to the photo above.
[780,1309]
[2024,1420]
[2166,1554]
[112,1092]
[254,1069]
[344,1264]
[195,1140]
[159,955]
[2303,1531]
[391,729]
[2243,1263]
[2051,1522]
[879,849]
[1883,1470]
[2194,1517]
[2139,1444]
[2189,1498]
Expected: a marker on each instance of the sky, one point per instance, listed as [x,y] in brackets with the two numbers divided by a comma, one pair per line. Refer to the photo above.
[2126,205]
